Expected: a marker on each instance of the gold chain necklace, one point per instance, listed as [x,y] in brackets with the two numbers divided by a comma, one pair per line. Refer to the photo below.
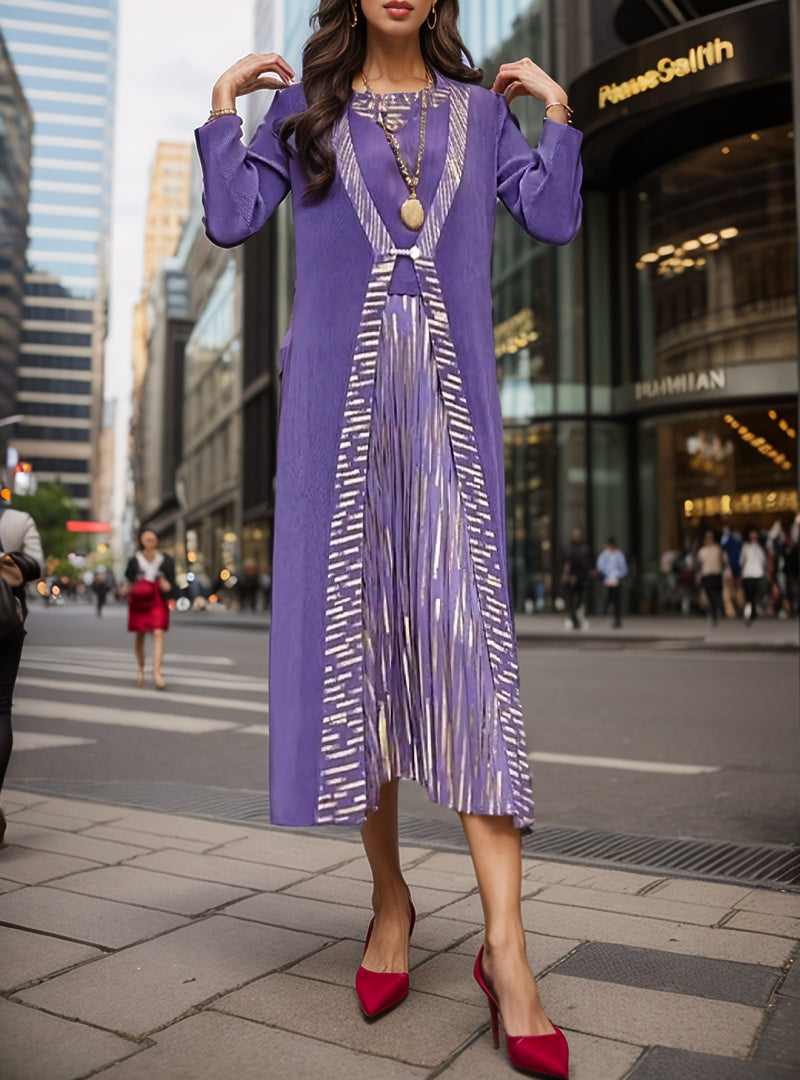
[411,211]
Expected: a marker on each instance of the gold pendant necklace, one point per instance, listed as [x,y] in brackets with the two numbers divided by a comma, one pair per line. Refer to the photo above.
[412,212]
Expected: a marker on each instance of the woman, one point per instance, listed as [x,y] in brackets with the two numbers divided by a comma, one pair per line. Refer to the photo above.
[711,562]
[151,574]
[754,574]
[392,651]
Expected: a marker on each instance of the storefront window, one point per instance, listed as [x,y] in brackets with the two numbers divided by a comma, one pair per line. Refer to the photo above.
[714,257]
[529,457]
[730,468]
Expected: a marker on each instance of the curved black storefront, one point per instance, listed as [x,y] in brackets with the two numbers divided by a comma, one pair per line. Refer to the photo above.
[690,282]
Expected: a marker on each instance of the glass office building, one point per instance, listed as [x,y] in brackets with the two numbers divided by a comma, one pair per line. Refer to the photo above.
[65,56]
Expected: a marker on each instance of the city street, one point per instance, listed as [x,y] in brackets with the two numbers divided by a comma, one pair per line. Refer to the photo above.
[629,738]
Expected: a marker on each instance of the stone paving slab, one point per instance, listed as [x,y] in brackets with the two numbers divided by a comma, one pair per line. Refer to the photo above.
[226,871]
[651,906]
[781,925]
[424,1031]
[51,819]
[151,889]
[590,877]
[151,842]
[282,849]
[83,918]
[772,903]
[77,845]
[190,828]
[36,1046]
[145,987]
[27,956]
[713,893]
[421,876]
[713,942]
[29,867]
[630,1014]
[779,1043]
[73,808]
[210,1046]
[590,1058]
[295,912]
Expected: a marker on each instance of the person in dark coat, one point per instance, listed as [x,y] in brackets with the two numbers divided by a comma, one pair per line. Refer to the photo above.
[575,576]
[151,577]
[21,561]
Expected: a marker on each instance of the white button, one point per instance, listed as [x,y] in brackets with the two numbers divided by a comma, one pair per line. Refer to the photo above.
[414,252]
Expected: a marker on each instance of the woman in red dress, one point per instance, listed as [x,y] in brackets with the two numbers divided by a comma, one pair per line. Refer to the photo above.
[151,574]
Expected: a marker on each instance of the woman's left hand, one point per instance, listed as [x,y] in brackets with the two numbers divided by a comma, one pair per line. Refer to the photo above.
[524,77]
[163,583]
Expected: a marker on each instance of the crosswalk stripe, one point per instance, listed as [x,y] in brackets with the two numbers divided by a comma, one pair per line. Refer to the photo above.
[45,740]
[254,729]
[37,709]
[240,684]
[86,652]
[624,763]
[83,687]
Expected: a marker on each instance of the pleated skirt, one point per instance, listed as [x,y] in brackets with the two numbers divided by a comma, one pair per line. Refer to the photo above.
[430,709]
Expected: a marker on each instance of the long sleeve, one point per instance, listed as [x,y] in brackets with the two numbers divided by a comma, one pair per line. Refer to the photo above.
[32,547]
[132,569]
[243,185]
[540,187]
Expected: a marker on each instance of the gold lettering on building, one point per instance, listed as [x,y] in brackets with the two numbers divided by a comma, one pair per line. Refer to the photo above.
[666,69]
[742,502]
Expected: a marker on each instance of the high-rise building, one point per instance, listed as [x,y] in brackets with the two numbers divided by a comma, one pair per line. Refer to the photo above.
[65,56]
[16,128]
[167,210]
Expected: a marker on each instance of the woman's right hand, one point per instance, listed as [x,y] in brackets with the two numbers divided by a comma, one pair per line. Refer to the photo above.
[248,75]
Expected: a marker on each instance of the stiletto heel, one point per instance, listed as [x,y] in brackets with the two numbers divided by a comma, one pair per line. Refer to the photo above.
[542,1055]
[379,991]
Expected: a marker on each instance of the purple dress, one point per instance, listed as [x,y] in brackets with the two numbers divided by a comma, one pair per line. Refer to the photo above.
[401,661]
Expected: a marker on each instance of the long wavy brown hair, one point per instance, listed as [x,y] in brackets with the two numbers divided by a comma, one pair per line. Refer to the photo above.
[334,55]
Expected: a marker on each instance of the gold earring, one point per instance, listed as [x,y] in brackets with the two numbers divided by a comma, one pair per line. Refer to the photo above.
[432,25]
[354,9]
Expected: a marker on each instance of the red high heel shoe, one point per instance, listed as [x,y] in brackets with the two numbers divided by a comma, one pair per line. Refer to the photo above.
[547,1055]
[379,991]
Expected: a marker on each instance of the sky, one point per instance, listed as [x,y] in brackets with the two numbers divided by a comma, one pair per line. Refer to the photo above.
[170,54]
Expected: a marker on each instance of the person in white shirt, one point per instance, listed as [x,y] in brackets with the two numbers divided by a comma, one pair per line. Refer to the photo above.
[754,572]
[613,566]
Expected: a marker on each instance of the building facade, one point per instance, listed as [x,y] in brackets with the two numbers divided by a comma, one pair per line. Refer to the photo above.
[16,130]
[65,56]
[167,212]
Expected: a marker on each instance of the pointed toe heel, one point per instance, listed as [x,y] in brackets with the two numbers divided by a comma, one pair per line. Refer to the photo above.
[539,1055]
[379,991]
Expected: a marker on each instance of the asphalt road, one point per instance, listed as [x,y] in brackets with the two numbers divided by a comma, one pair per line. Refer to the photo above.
[632,739]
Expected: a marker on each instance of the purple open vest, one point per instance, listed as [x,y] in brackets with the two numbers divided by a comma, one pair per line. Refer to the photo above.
[346,256]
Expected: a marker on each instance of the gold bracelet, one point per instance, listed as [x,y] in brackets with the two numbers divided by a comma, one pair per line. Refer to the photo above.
[570,113]
[221,112]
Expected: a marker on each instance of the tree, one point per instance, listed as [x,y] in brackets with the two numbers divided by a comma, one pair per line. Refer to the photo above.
[51,508]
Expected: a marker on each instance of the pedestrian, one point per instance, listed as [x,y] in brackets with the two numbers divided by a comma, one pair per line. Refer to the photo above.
[575,578]
[151,577]
[392,651]
[100,590]
[21,561]
[754,573]
[711,564]
[613,567]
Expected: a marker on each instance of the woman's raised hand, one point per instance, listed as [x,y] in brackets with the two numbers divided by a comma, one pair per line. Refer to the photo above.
[249,74]
[525,77]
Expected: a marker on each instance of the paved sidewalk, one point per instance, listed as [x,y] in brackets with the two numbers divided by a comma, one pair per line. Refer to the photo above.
[141,945]
[669,631]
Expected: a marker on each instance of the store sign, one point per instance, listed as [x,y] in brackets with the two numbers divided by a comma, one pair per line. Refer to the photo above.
[699,58]
[682,67]
[689,382]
